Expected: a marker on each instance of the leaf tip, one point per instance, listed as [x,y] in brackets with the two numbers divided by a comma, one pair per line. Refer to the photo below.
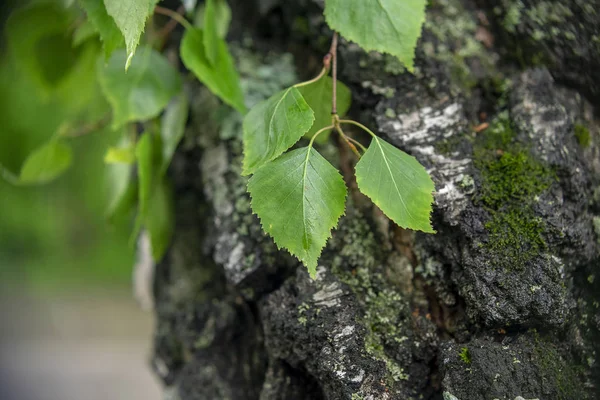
[128,62]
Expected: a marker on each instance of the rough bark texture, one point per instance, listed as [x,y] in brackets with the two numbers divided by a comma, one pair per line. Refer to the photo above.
[502,302]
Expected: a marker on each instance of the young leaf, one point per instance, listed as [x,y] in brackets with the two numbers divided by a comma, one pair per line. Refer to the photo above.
[173,128]
[210,32]
[221,78]
[222,17]
[299,198]
[130,17]
[318,96]
[273,126]
[46,163]
[387,26]
[105,25]
[143,91]
[159,220]
[398,184]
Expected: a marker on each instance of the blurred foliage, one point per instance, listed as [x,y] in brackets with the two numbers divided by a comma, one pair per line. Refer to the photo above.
[56,234]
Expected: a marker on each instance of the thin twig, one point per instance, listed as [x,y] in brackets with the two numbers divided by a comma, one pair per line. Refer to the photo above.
[176,16]
[89,128]
[333,52]
[169,26]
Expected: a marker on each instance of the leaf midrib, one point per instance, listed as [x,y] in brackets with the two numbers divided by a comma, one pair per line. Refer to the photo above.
[392,176]
[303,198]
[273,116]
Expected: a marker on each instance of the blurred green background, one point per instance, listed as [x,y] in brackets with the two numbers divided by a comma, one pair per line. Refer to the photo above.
[55,235]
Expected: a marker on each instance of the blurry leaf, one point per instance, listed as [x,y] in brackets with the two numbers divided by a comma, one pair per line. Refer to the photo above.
[299,198]
[217,16]
[37,37]
[159,220]
[46,163]
[221,78]
[398,184]
[387,26]
[122,191]
[145,160]
[273,126]
[130,17]
[222,17]
[8,176]
[210,32]
[83,33]
[120,155]
[142,92]
[318,95]
[173,128]
[104,24]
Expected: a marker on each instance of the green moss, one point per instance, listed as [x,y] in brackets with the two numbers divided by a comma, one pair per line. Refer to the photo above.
[455,45]
[465,355]
[510,181]
[583,135]
[385,310]
[566,376]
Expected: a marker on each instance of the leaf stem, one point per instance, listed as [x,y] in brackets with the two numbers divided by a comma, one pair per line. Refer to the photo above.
[176,16]
[312,140]
[166,30]
[316,78]
[347,140]
[86,129]
[333,52]
[361,126]
[356,142]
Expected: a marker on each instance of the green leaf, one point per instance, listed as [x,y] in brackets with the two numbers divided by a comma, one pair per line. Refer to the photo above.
[159,220]
[318,95]
[299,198]
[173,128]
[130,17]
[120,155]
[142,92]
[221,15]
[387,26]
[398,184]
[221,78]
[121,190]
[273,126]
[83,33]
[145,162]
[210,32]
[46,163]
[36,36]
[105,25]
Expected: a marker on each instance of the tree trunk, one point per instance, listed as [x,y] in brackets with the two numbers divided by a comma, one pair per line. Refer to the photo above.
[502,302]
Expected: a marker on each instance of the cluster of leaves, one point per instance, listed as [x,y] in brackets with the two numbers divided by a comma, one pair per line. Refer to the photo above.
[298,195]
[143,89]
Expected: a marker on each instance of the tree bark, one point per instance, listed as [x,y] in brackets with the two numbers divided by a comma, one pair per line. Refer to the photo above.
[502,302]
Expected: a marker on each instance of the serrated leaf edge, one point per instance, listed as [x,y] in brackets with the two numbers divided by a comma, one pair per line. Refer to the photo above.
[431,202]
[245,171]
[352,38]
[311,271]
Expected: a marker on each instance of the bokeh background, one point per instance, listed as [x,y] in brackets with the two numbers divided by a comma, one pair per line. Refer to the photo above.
[69,327]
